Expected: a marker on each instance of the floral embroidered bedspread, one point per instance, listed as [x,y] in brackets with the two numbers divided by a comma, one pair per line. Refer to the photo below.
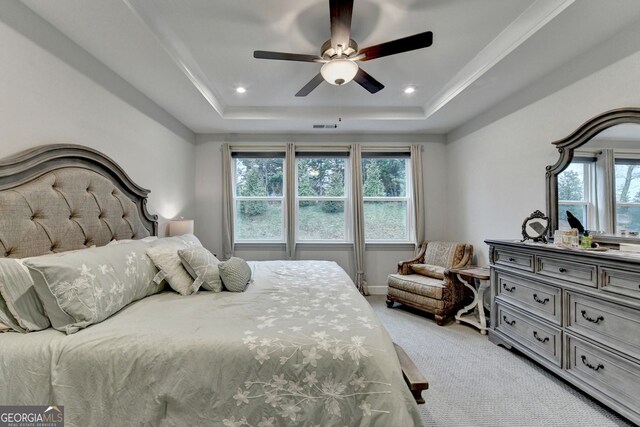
[300,347]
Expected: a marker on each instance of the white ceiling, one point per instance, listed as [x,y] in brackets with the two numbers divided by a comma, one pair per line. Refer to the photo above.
[189,56]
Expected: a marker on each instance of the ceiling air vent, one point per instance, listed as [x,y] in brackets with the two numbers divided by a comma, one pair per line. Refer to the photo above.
[331,126]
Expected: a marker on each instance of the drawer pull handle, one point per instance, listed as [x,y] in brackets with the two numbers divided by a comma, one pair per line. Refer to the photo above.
[540,301]
[562,270]
[542,340]
[511,289]
[512,259]
[589,365]
[590,319]
[513,322]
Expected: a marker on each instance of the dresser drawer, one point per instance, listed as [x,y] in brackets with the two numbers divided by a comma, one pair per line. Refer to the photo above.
[542,339]
[538,298]
[514,259]
[620,281]
[615,325]
[575,272]
[609,374]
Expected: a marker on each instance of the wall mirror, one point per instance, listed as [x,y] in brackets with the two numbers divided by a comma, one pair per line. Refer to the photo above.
[597,177]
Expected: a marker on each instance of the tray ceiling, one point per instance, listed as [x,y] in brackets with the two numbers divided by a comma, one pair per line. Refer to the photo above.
[190,56]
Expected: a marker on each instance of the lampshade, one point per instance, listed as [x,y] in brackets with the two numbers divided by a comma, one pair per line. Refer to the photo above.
[178,227]
[339,71]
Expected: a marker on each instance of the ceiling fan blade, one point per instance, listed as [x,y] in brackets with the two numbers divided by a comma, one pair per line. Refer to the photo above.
[263,54]
[306,90]
[417,41]
[340,12]
[366,81]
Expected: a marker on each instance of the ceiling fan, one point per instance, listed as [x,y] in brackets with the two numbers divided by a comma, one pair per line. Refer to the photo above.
[339,55]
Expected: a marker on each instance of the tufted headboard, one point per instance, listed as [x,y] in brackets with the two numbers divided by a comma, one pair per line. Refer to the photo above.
[57,198]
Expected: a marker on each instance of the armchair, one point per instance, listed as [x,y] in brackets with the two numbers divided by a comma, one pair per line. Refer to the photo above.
[426,283]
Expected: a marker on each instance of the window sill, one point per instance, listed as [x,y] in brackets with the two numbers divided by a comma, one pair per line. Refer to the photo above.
[390,246]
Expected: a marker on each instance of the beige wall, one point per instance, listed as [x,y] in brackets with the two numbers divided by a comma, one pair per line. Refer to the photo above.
[44,100]
[506,159]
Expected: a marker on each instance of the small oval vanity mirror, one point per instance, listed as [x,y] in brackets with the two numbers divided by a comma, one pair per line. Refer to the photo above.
[535,227]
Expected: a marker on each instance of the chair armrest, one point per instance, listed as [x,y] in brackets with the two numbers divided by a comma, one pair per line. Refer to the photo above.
[404,267]
[467,257]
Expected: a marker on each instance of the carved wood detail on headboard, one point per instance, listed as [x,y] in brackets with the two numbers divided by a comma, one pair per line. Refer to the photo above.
[64,174]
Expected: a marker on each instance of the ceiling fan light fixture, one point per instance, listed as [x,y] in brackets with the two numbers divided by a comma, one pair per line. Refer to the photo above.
[339,71]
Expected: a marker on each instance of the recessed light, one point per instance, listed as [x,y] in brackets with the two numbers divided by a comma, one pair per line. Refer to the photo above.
[241,89]
[409,89]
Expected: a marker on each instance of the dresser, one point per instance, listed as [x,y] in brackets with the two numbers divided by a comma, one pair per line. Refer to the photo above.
[575,312]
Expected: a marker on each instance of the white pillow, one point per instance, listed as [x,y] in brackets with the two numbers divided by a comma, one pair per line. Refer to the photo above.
[164,254]
[202,265]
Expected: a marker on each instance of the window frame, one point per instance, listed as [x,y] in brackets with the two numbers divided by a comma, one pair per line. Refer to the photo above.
[587,194]
[282,199]
[625,159]
[408,198]
[346,199]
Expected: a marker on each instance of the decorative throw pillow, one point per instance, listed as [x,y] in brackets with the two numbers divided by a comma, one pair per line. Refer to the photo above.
[81,288]
[16,287]
[202,265]
[235,274]
[429,270]
[164,253]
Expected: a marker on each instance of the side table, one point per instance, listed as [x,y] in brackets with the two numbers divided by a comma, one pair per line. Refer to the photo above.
[473,313]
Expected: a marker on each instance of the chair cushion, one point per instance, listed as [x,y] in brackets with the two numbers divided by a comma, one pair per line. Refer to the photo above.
[434,271]
[417,284]
[443,254]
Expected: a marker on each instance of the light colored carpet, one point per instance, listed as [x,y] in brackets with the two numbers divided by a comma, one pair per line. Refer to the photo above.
[473,382]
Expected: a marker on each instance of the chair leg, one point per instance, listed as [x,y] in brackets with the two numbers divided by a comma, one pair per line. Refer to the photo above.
[440,319]
[390,303]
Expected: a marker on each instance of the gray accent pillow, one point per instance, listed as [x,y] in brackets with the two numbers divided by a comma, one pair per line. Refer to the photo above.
[202,265]
[164,253]
[16,287]
[81,288]
[235,274]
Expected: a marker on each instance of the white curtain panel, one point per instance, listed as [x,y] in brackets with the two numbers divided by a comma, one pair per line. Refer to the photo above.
[417,188]
[227,203]
[358,218]
[291,200]
[605,191]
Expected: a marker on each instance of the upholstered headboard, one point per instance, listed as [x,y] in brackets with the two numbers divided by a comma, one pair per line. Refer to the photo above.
[57,198]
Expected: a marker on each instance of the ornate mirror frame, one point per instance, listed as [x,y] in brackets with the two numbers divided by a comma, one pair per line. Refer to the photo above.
[578,138]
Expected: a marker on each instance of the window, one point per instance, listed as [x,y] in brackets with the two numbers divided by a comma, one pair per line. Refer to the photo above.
[259,197]
[573,193]
[321,191]
[320,196]
[628,194]
[387,198]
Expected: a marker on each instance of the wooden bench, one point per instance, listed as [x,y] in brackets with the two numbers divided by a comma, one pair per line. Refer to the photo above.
[412,376]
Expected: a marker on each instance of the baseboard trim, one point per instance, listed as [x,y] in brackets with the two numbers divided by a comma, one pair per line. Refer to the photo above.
[377,290]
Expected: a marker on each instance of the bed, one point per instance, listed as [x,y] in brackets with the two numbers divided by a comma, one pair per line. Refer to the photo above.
[300,346]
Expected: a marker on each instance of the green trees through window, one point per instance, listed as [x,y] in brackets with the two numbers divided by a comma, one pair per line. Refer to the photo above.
[323,198]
